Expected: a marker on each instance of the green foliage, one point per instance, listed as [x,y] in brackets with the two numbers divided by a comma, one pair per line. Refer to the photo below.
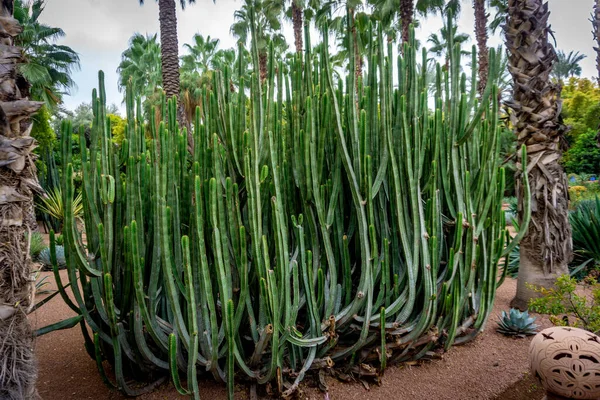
[52,204]
[36,245]
[117,127]
[307,206]
[581,307]
[48,65]
[567,66]
[517,323]
[585,224]
[584,155]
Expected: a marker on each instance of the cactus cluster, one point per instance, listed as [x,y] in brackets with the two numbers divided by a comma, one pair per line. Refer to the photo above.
[316,222]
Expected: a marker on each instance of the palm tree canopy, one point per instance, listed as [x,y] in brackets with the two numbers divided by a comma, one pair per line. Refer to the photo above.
[48,66]
[268,24]
[567,65]
[140,64]
[440,42]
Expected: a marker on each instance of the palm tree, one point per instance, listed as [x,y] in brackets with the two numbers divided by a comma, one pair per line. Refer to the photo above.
[501,7]
[402,12]
[441,43]
[293,10]
[546,249]
[49,65]
[141,66]
[567,65]
[18,180]
[267,27]
[481,36]
[169,49]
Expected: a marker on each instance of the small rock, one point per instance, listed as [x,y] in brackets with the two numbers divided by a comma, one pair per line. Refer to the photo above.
[496,363]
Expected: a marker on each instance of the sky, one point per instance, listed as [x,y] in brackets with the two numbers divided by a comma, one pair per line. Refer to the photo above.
[99,30]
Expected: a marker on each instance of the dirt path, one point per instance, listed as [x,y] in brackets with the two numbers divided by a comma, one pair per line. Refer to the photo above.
[482,369]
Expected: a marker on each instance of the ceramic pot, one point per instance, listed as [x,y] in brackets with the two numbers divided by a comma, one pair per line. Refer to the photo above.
[567,362]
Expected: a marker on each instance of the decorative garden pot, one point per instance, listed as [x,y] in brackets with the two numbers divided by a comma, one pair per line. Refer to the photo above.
[567,362]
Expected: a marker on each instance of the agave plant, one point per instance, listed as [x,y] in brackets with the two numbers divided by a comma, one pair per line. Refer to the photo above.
[517,323]
[45,259]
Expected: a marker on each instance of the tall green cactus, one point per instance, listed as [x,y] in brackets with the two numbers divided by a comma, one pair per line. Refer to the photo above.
[317,220]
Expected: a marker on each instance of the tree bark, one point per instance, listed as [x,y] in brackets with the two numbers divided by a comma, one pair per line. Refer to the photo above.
[407,10]
[596,33]
[18,178]
[169,52]
[481,36]
[546,249]
[297,20]
[262,64]
[357,56]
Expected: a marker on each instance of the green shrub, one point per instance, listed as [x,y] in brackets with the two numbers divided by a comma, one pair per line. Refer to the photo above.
[566,307]
[37,244]
[585,225]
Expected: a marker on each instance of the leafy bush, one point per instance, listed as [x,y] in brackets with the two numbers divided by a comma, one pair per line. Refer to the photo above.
[585,224]
[37,244]
[567,307]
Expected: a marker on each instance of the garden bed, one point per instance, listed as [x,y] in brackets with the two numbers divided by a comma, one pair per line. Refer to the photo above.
[490,367]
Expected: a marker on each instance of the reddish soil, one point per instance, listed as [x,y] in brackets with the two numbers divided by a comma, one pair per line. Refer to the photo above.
[490,367]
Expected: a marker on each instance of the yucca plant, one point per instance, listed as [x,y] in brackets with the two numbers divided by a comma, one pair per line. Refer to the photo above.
[316,223]
[52,204]
[517,323]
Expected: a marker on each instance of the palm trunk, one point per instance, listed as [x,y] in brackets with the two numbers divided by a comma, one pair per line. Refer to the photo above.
[407,10]
[262,64]
[546,248]
[169,52]
[481,36]
[297,20]
[17,180]
[357,55]
[596,32]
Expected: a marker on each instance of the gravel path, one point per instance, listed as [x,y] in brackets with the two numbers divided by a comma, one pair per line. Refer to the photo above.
[482,369]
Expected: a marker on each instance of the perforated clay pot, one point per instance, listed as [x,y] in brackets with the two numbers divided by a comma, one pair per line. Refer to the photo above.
[567,362]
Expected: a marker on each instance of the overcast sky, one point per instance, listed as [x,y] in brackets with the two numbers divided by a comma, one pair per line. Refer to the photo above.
[99,31]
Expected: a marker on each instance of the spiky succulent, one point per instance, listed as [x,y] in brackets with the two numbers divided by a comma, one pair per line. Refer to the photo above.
[517,323]
[44,257]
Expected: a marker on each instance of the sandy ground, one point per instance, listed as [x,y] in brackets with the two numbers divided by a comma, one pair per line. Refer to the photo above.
[483,369]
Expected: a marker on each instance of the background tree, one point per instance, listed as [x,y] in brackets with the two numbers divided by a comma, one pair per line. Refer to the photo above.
[141,65]
[567,65]
[167,15]
[49,65]
[440,43]
[481,37]
[546,249]
[18,181]
[268,29]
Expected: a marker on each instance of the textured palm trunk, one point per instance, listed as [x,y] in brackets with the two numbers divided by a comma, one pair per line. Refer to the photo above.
[298,21]
[18,180]
[262,64]
[357,55]
[546,248]
[481,36]
[596,32]
[169,52]
[407,10]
